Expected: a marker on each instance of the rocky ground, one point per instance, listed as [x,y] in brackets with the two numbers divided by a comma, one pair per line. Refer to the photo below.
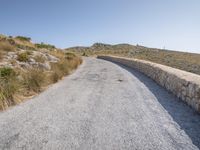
[27,68]
[13,48]
[11,60]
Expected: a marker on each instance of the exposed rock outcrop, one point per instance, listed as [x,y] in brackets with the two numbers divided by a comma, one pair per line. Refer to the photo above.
[10,60]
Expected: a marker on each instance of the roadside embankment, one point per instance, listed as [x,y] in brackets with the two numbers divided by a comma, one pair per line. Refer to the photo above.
[184,85]
[28,68]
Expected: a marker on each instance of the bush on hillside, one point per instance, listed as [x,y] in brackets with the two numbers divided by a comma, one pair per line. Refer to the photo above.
[25,47]
[84,54]
[69,55]
[23,38]
[47,46]
[6,72]
[23,57]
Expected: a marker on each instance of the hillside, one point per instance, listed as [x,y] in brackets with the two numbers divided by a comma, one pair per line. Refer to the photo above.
[185,61]
[27,68]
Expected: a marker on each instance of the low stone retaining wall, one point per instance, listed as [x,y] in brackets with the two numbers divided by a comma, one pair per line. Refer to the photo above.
[184,85]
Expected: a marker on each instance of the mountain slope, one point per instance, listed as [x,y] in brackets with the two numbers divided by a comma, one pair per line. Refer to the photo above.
[185,61]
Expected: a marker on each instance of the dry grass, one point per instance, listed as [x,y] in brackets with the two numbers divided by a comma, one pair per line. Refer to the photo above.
[22,83]
[64,67]
[24,43]
[23,57]
[11,85]
[59,69]
[57,53]
[6,46]
[34,79]
[40,58]
[8,87]
[1,55]
[185,61]
[19,83]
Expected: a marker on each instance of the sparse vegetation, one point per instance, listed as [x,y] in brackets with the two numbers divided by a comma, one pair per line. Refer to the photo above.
[33,79]
[23,38]
[69,55]
[43,45]
[8,87]
[6,72]
[185,61]
[24,57]
[64,66]
[39,58]
[25,79]
[1,55]
[57,53]
[84,54]
[5,46]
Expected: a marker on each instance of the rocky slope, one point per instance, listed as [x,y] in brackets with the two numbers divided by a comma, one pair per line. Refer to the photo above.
[24,54]
[27,68]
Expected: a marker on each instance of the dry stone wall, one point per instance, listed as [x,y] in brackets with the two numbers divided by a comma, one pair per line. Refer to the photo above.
[184,85]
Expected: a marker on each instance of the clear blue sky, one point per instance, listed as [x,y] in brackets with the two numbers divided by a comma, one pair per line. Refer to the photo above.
[174,24]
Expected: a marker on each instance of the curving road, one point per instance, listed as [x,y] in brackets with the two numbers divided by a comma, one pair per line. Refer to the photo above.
[101,106]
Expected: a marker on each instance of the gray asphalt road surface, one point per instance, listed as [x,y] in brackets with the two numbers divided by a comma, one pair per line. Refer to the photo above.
[102,106]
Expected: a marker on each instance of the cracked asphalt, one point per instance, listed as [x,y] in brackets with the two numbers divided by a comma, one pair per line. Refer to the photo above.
[101,106]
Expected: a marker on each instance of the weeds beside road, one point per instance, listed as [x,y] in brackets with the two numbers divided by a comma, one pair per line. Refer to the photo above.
[26,72]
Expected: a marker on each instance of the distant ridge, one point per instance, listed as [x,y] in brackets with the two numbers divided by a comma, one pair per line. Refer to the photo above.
[182,60]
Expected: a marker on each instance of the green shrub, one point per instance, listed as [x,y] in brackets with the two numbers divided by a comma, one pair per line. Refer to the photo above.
[24,57]
[69,55]
[84,54]
[6,72]
[25,47]
[47,46]
[23,38]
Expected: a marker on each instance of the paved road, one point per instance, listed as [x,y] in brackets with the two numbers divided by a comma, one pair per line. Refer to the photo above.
[101,106]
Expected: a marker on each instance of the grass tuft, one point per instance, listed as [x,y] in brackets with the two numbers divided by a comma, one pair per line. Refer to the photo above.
[9,85]
[40,58]
[23,57]
[33,80]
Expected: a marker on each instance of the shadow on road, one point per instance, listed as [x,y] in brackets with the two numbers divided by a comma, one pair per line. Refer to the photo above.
[186,117]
